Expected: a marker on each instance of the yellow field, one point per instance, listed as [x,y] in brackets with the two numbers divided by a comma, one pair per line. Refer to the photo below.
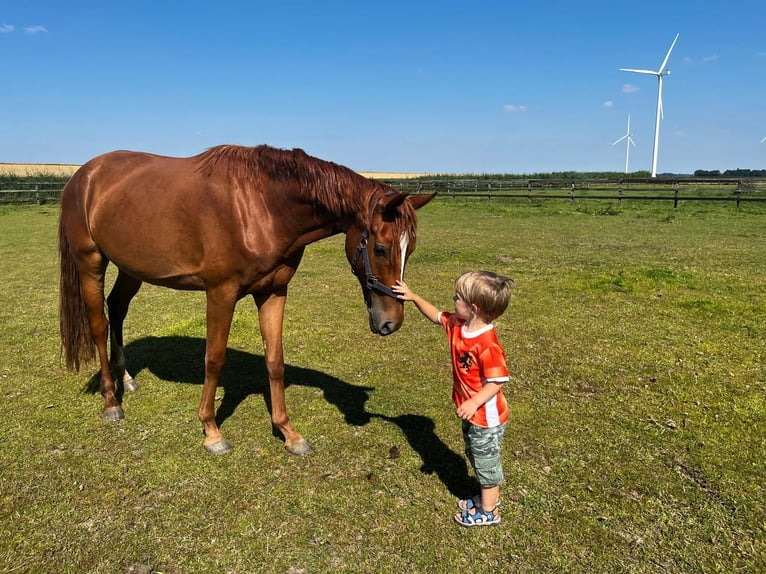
[391,175]
[23,169]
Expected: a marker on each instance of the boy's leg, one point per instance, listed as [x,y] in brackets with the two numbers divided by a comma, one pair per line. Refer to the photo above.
[483,451]
[489,497]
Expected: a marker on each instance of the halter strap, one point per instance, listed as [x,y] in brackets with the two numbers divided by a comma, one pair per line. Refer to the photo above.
[371,283]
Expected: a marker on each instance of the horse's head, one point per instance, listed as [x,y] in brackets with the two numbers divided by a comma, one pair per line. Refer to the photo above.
[379,252]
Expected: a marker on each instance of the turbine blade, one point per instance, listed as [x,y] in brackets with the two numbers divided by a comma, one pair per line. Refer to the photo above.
[619,140]
[763,140]
[630,139]
[651,72]
[665,61]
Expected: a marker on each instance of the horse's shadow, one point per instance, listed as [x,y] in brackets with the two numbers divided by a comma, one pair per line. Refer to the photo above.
[180,359]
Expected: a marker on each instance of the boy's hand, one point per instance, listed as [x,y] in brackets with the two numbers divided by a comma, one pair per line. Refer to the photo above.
[402,291]
[466,410]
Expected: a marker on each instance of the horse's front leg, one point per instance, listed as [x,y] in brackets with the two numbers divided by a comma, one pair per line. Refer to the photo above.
[271,311]
[220,309]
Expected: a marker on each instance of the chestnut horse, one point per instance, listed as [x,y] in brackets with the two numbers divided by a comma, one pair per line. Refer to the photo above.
[232,221]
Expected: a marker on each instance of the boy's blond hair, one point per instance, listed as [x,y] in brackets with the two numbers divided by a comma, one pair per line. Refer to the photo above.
[489,291]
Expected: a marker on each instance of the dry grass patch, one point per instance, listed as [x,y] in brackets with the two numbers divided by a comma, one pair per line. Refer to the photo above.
[35,169]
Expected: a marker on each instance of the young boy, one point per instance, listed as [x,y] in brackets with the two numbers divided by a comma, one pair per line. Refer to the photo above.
[478,375]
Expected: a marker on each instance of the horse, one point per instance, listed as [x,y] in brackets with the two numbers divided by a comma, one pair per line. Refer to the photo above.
[231,221]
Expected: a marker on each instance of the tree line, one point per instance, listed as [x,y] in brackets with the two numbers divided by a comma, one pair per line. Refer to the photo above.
[730,173]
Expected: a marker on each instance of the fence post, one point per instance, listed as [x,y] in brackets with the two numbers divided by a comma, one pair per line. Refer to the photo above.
[675,195]
[739,192]
[571,194]
[489,191]
[529,192]
[619,194]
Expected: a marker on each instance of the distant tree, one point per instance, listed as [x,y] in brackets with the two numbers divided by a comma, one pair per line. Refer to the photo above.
[707,173]
[745,173]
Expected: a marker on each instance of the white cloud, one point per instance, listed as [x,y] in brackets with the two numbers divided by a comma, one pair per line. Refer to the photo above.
[514,108]
[37,29]
[629,89]
[5,28]
[702,60]
[609,104]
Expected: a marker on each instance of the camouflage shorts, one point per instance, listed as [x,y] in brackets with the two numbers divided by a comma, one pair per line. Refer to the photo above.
[482,447]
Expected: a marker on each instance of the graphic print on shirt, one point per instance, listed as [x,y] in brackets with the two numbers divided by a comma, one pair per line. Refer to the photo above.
[466,362]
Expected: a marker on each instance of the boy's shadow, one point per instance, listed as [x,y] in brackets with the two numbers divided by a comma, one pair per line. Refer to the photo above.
[437,457]
[180,359]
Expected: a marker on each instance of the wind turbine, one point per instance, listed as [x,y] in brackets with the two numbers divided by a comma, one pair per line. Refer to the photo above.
[659,73]
[628,143]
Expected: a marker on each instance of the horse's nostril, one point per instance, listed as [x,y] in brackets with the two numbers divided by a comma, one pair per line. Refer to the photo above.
[386,328]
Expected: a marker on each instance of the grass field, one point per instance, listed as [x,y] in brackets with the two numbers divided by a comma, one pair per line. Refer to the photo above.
[636,339]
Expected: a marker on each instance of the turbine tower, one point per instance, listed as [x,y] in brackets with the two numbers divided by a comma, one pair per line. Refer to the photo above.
[628,143]
[659,73]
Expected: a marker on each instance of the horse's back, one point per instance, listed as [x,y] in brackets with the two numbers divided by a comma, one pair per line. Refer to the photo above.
[144,212]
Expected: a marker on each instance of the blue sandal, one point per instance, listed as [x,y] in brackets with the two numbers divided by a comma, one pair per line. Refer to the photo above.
[478,518]
[473,502]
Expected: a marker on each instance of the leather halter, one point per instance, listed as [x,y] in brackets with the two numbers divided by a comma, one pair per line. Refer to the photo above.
[371,281]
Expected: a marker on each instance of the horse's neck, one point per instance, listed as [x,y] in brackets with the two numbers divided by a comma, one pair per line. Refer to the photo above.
[331,217]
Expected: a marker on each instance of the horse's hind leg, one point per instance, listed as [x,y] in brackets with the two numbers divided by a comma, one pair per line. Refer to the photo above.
[124,289]
[92,269]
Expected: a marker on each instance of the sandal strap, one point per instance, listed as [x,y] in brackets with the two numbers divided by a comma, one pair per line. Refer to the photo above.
[469,503]
[479,517]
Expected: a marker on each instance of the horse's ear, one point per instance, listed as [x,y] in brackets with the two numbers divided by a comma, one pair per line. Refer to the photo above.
[390,204]
[419,201]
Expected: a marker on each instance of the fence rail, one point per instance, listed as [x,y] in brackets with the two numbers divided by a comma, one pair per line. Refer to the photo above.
[28,192]
[668,189]
[676,190]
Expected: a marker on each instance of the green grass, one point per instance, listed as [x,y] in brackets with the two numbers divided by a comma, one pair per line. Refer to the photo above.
[635,337]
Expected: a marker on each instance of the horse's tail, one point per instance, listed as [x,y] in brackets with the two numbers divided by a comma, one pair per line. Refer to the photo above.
[74,325]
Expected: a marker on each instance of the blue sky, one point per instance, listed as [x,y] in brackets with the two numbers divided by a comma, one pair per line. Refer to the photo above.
[446,87]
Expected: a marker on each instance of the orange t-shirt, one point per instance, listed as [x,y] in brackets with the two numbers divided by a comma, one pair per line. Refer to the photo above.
[477,358]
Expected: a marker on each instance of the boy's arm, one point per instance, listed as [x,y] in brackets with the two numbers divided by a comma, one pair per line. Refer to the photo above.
[431,312]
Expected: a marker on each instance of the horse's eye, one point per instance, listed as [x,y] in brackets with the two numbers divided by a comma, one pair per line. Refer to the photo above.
[380,250]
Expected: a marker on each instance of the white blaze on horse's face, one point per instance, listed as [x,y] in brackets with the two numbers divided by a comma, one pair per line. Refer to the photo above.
[404,242]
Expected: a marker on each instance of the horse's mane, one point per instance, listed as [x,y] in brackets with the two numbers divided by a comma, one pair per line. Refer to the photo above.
[336,188]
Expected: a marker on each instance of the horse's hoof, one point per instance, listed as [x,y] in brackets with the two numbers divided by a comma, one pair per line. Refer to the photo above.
[130,385]
[300,448]
[112,414]
[221,446]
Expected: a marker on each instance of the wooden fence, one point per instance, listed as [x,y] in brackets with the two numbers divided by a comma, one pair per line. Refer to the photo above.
[737,190]
[26,192]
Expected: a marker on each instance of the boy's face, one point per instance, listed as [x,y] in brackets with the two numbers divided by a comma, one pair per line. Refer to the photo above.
[462,309]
